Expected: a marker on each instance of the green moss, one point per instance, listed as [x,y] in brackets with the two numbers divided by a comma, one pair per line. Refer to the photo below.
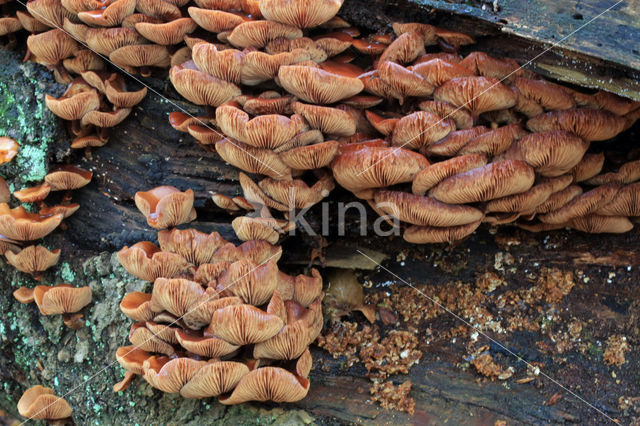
[66,273]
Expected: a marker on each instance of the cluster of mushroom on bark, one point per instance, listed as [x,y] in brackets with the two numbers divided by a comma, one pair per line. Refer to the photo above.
[221,320]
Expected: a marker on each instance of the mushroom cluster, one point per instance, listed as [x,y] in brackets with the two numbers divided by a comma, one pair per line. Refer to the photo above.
[221,320]
[20,227]
[439,141]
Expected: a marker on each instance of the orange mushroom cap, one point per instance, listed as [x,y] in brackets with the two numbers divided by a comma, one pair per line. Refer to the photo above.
[39,403]
[316,85]
[20,225]
[33,259]
[166,206]
[8,149]
[201,88]
[590,125]
[477,94]
[259,33]
[268,384]
[172,32]
[300,13]
[194,246]
[61,298]
[144,260]
[431,234]
[65,177]
[110,16]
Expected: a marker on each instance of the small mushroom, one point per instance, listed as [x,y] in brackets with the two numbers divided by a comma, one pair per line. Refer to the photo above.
[430,234]
[244,324]
[33,260]
[316,85]
[300,13]
[19,225]
[268,384]
[494,141]
[331,121]
[214,379]
[420,129]
[169,33]
[590,125]
[110,15]
[477,94]
[345,294]
[64,178]
[166,207]
[252,160]
[39,403]
[136,305]
[259,33]
[194,246]
[146,261]
[437,172]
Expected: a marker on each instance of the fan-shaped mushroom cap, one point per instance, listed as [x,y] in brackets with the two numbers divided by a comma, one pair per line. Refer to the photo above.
[172,32]
[452,58]
[259,67]
[181,121]
[105,119]
[166,206]
[214,379]
[445,110]
[477,94]
[376,167]
[383,124]
[482,64]
[420,129]
[256,197]
[582,205]
[268,384]
[33,259]
[63,178]
[8,149]
[110,16]
[311,157]
[24,295]
[437,172]
[145,261]
[428,32]
[249,228]
[170,375]
[290,343]
[628,172]
[39,403]
[252,283]
[141,55]
[454,142]
[596,224]
[431,234]
[201,88]
[66,210]
[194,246]
[438,71]
[405,49]
[107,40]
[495,141]
[9,25]
[145,339]
[158,9]
[548,95]
[425,211]
[244,324]
[559,199]
[484,183]
[590,125]
[115,90]
[131,358]
[84,60]
[403,81]
[136,305]
[625,203]
[50,13]
[252,160]
[216,21]
[73,107]
[296,193]
[19,225]
[33,194]
[300,13]
[259,251]
[29,23]
[259,33]
[309,137]
[316,85]
[206,346]
[550,153]
[266,103]
[186,299]
[331,121]
[523,202]
[61,298]
[588,167]
[453,39]
[207,274]
[313,50]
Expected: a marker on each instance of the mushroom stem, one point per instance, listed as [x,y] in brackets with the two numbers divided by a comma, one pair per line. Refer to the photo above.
[75,127]
[27,55]
[103,134]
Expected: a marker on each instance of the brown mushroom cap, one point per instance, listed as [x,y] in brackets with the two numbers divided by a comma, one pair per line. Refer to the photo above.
[66,210]
[484,183]
[33,194]
[300,13]
[166,206]
[550,153]
[588,167]
[131,358]
[63,178]
[488,66]
[259,67]
[259,33]
[145,261]
[625,203]
[115,90]
[495,141]
[9,25]
[596,224]
[252,160]
[420,129]
[438,71]
[185,299]
[201,88]
[110,16]
[428,32]
[290,343]
[454,141]
[376,167]
[311,157]
[8,149]
[141,55]
[317,86]
[453,39]
[206,346]
[268,384]
[167,33]
[49,13]
[5,192]
[267,103]
[403,82]
[73,107]
[460,116]
[244,324]
[628,172]
[430,234]
[136,305]
[590,125]
[559,199]
[194,246]
[214,379]
[105,119]
[39,403]
[161,10]
[216,21]
[437,172]
[170,374]
[30,23]
[296,193]
[249,228]
[84,60]
[424,211]
[477,94]
[405,49]
[548,95]
[33,259]
[523,202]
[107,40]
[331,121]
[61,298]
[254,195]
[252,283]
[582,205]
[145,339]
[19,225]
